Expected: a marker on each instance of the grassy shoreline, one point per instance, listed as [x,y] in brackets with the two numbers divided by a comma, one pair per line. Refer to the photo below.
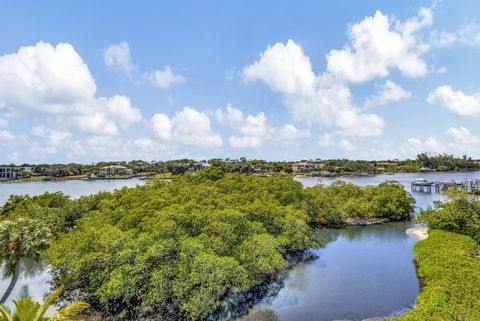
[450,276]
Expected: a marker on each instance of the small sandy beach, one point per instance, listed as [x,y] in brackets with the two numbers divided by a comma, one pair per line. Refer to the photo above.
[417,233]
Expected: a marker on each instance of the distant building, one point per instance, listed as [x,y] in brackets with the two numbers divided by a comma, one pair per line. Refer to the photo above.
[13,171]
[426,169]
[114,170]
[303,166]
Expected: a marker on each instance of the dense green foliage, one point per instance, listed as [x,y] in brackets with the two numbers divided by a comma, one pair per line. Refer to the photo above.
[181,246]
[444,162]
[451,275]
[337,203]
[461,214]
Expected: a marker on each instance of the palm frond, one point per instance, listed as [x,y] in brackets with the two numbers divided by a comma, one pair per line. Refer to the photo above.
[25,309]
[5,314]
[70,311]
[48,302]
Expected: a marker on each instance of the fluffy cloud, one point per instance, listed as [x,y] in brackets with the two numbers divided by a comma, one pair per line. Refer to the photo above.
[468,34]
[118,56]
[456,101]
[253,130]
[387,93]
[346,145]
[252,125]
[285,68]
[5,135]
[162,127]
[245,142]
[163,78]
[46,78]
[288,134]
[326,140]
[188,127]
[462,135]
[379,43]
[56,81]
[311,100]
[415,146]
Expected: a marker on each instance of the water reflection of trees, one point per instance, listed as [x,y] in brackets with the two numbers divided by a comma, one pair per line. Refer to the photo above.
[244,306]
[31,269]
[389,231]
[261,315]
[239,305]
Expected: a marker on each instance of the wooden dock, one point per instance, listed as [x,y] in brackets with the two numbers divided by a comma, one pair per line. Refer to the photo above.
[422,185]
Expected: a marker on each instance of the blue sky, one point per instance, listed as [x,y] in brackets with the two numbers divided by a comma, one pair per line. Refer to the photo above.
[278,80]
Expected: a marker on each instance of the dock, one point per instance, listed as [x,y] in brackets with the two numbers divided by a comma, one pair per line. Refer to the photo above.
[422,185]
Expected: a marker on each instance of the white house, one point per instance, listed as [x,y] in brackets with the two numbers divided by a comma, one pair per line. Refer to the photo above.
[113,170]
[10,172]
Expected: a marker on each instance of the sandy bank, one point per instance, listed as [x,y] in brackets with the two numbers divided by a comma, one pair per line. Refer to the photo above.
[417,233]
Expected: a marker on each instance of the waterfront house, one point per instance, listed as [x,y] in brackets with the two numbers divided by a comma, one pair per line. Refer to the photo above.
[303,167]
[115,170]
[13,171]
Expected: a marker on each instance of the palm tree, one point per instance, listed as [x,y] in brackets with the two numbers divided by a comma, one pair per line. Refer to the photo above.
[27,309]
[20,238]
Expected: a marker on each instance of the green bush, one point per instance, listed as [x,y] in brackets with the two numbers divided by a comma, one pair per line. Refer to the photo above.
[451,277]
[461,214]
[340,201]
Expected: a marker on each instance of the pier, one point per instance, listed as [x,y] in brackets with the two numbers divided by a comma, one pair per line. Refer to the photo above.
[422,185]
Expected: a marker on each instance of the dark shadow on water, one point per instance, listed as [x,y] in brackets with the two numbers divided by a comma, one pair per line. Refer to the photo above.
[238,306]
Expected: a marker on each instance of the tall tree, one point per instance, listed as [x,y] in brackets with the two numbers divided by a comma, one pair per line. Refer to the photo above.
[20,238]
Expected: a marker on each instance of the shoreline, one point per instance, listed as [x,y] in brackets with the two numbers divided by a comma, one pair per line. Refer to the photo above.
[417,233]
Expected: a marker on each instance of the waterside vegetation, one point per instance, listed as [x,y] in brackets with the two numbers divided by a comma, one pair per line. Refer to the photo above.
[318,167]
[177,249]
[448,261]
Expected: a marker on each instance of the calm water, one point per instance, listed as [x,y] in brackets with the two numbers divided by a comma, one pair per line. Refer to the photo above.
[360,272]
[75,188]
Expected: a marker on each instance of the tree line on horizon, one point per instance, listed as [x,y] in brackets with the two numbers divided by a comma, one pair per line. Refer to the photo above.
[439,162]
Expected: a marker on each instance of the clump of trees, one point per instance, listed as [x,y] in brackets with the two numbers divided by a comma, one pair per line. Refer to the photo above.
[335,204]
[445,162]
[183,245]
[179,248]
[461,214]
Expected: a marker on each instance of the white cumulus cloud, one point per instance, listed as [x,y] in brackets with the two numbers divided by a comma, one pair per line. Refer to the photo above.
[56,81]
[346,145]
[163,78]
[462,135]
[389,92]
[245,141]
[379,43]
[310,99]
[285,68]
[456,100]
[188,127]
[118,56]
